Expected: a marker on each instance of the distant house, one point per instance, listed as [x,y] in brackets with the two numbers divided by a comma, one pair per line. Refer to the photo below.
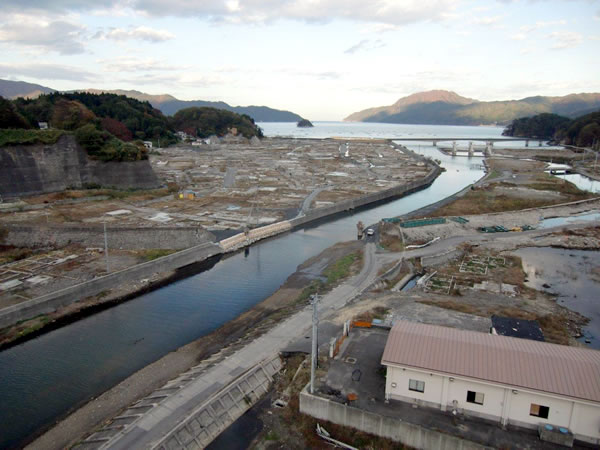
[148,145]
[43,125]
[505,379]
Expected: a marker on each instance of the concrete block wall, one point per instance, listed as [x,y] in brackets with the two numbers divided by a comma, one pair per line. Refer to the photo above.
[50,302]
[396,429]
[127,238]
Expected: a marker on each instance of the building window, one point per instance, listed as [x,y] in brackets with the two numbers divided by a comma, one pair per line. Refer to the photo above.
[475,397]
[539,411]
[416,385]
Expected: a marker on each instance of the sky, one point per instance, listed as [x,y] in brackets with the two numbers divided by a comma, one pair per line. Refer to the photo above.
[323,59]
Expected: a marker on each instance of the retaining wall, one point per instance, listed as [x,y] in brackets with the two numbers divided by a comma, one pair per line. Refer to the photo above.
[396,429]
[35,169]
[210,419]
[128,238]
[441,258]
[50,302]
[347,205]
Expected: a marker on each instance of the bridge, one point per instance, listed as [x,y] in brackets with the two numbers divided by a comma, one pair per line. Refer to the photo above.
[488,141]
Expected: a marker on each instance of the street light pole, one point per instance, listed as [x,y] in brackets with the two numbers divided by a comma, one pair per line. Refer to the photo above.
[314,352]
[106,248]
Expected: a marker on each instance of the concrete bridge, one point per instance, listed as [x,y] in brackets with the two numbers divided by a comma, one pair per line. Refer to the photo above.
[471,139]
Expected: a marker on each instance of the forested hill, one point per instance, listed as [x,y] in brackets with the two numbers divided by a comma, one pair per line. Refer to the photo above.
[110,127]
[583,131]
[166,103]
[123,117]
[204,122]
[448,108]
[169,105]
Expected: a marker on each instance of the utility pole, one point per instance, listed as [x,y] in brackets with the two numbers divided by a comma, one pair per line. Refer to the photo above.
[314,352]
[106,248]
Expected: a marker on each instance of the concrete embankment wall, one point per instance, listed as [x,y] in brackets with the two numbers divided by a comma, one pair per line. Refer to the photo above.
[204,424]
[411,435]
[244,239]
[38,168]
[50,302]
[128,238]
[347,205]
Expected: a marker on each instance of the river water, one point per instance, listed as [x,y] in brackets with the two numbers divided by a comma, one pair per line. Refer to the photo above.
[42,379]
[573,276]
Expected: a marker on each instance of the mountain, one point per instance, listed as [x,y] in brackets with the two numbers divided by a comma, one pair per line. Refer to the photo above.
[166,103]
[13,89]
[448,108]
[169,105]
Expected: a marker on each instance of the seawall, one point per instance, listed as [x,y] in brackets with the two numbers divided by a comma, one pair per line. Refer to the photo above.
[36,169]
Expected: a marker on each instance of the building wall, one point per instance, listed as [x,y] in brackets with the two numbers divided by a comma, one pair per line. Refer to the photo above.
[492,402]
[583,419]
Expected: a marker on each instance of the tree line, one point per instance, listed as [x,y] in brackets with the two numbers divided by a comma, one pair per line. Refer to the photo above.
[582,131]
[113,127]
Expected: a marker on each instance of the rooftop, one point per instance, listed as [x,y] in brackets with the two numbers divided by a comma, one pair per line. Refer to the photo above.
[522,363]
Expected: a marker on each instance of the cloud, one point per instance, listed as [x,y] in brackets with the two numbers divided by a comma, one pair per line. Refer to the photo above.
[139,33]
[58,35]
[542,24]
[257,11]
[55,5]
[526,30]
[127,64]
[565,39]
[488,20]
[365,44]
[45,71]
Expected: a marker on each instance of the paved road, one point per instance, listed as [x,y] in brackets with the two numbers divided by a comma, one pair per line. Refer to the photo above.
[310,197]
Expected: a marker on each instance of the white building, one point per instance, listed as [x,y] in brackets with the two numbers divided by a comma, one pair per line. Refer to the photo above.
[510,380]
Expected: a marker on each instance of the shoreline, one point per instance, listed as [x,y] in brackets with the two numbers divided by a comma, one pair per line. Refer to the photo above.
[91,304]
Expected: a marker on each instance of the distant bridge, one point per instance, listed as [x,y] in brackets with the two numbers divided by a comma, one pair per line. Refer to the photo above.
[435,140]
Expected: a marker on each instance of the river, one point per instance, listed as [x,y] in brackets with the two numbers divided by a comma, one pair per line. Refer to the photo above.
[42,379]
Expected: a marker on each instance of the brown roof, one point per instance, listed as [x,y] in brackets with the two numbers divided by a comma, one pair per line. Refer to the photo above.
[556,369]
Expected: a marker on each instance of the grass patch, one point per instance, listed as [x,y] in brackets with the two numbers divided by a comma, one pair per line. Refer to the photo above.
[14,254]
[25,137]
[335,272]
[155,253]
[494,174]
[35,324]
[272,436]
[482,201]
[341,268]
